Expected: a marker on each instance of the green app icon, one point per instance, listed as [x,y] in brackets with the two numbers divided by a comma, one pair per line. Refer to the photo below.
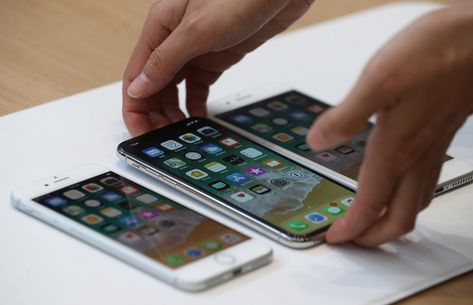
[298,225]
[334,209]
[212,245]
[175,260]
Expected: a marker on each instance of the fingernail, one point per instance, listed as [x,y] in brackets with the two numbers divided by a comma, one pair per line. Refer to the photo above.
[317,139]
[139,86]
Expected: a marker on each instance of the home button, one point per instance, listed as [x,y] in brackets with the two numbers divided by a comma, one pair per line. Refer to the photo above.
[225,259]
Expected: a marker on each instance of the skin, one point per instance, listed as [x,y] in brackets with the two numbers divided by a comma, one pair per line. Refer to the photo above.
[419,85]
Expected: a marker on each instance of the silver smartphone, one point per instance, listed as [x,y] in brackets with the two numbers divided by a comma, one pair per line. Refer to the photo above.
[279,117]
[261,188]
[152,232]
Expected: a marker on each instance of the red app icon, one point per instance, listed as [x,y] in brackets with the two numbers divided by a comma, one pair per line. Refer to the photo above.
[128,190]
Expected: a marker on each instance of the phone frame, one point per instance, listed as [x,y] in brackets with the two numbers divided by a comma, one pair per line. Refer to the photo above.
[195,276]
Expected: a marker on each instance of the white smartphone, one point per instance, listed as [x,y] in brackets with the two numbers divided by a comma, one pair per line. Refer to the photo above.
[279,117]
[141,227]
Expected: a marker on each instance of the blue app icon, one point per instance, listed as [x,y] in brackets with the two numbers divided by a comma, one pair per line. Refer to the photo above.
[194,252]
[153,152]
[111,196]
[211,148]
[237,178]
[55,201]
[129,221]
[316,217]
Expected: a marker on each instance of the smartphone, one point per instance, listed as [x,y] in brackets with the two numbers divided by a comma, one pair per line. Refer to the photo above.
[274,195]
[141,227]
[279,118]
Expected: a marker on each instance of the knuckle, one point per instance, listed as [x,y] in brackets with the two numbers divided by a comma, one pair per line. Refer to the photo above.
[200,31]
[380,75]
[155,59]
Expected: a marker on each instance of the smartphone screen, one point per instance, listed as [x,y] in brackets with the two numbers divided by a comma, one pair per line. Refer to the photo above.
[141,219]
[254,180]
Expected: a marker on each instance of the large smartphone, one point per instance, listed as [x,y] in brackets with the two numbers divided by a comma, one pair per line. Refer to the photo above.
[279,117]
[257,186]
[141,227]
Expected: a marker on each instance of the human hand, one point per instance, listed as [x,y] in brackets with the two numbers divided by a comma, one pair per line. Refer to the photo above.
[195,41]
[420,86]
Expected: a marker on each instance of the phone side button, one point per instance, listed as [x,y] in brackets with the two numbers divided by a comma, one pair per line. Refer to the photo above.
[225,259]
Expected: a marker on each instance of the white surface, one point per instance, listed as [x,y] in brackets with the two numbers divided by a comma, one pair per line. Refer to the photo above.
[41,265]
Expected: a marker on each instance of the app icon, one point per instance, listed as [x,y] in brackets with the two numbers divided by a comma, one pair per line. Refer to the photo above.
[129,190]
[166,223]
[153,152]
[110,228]
[237,178]
[171,145]
[251,152]
[129,237]
[175,260]
[242,197]
[73,194]
[111,196]
[316,217]
[190,138]
[272,163]
[298,115]
[255,171]
[299,130]
[348,201]
[212,245]
[259,112]
[278,182]
[92,219]
[129,221]
[303,147]
[197,174]
[219,185]
[146,198]
[282,137]
[215,167]
[296,175]
[280,121]
[111,181]
[147,214]
[175,163]
[277,106]
[211,149]
[207,131]
[164,207]
[260,189]
[110,212]
[346,150]
[326,156]
[92,203]
[233,159]
[229,238]
[297,225]
[334,209]
[55,201]
[147,230]
[261,127]
[192,155]
[296,100]
[73,210]
[240,118]
[92,187]
[193,252]
[315,108]
[229,142]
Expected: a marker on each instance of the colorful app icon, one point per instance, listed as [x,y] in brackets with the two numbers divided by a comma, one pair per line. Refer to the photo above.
[348,201]
[197,174]
[346,150]
[278,182]
[171,145]
[92,187]
[298,115]
[277,106]
[192,155]
[147,230]
[110,212]
[241,197]
[190,138]
[255,170]
[207,131]
[251,152]
[229,142]
[73,210]
[316,217]
[272,163]
[153,152]
[298,225]
[129,237]
[261,127]
[164,207]
[215,167]
[174,260]
[233,159]
[315,108]
[146,198]
[147,214]
[260,189]
[129,190]
[73,194]
[92,219]
[110,228]
[212,245]
[175,163]
[326,156]
[92,203]
[303,147]
[241,118]
[283,137]
[218,185]
[300,130]
[259,112]
[193,252]
[280,121]
[334,209]
[111,181]
[211,149]
[296,175]
[129,221]
[237,178]
[55,201]
[229,238]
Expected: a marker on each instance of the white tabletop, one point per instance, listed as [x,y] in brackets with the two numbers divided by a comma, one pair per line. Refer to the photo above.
[41,265]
